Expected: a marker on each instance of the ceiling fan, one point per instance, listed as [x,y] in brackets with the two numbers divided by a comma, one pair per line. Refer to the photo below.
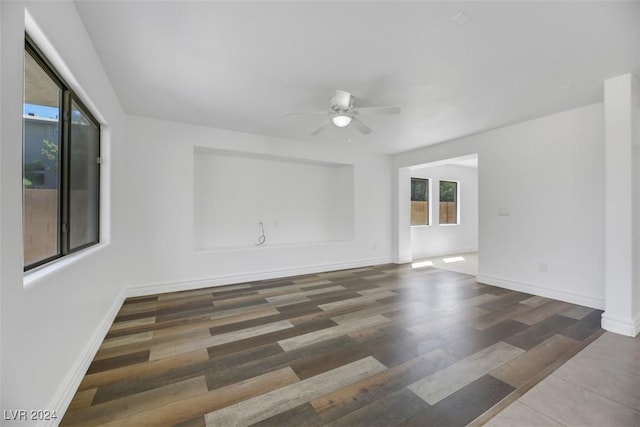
[343,113]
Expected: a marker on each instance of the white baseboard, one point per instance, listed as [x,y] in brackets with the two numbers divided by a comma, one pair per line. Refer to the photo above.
[67,390]
[570,297]
[158,288]
[402,260]
[628,327]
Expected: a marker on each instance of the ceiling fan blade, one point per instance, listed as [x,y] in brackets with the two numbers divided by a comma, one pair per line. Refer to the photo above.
[321,128]
[302,113]
[364,129]
[342,100]
[377,110]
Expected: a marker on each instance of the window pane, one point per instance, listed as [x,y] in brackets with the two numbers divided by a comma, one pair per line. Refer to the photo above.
[419,189]
[84,144]
[419,201]
[40,172]
[448,202]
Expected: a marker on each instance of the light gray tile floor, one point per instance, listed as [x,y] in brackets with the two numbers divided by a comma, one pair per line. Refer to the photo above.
[600,386]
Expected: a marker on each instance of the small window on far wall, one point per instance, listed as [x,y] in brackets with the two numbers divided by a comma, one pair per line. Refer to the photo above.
[448,202]
[419,201]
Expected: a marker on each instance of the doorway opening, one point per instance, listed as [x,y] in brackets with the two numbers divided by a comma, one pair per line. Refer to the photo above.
[443,225]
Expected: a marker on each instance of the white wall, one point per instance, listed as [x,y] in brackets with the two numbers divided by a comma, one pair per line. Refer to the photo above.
[435,239]
[548,173]
[162,255]
[294,201]
[52,320]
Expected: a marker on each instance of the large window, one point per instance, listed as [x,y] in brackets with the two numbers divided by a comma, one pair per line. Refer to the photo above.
[448,202]
[61,174]
[419,201]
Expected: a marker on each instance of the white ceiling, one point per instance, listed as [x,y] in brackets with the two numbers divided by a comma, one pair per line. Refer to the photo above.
[243,65]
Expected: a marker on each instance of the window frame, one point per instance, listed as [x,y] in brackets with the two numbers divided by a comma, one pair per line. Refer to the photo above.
[457,202]
[67,98]
[428,201]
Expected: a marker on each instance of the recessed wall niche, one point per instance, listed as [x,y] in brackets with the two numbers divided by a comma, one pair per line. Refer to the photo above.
[297,201]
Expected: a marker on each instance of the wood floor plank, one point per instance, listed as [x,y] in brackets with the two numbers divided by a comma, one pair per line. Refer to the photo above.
[136,300]
[158,326]
[324,334]
[126,391]
[465,405]
[537,333]
[203,291]
[193,422]
[442,321]
[576,312]
[127,339]
[138,346]
[182,410]
[287,298]
[165,350]
[113,375]
[270,338]
[275,402]
[261,312]
[131,323]
[319,363]
[472,343]
[142,402]
[584,327]
[301,415]
[218,376]
[82,399]
[505,301]
[241,301]
[358,300]
[353,396]
[377,308]
[494,317]
[391,344]
[541,312]
[389,410]
[436,340]
[535,301]
[523,368]
[447,381]
[118,361]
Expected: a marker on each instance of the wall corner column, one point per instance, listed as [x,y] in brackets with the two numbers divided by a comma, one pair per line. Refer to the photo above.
[401,222]
[622,205]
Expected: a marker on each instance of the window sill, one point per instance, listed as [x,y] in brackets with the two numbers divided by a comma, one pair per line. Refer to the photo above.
[32,277]
[448,225]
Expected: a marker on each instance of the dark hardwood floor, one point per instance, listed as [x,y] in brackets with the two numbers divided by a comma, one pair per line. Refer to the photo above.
[378,346]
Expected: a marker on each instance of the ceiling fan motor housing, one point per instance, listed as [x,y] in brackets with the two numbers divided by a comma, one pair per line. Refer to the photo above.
[342,102]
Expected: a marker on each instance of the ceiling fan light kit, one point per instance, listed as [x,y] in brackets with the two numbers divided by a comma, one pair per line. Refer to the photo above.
[343,112]
[341,120]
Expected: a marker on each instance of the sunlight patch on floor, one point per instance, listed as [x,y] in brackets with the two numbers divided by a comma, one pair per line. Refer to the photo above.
[422,264]
[466,263]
